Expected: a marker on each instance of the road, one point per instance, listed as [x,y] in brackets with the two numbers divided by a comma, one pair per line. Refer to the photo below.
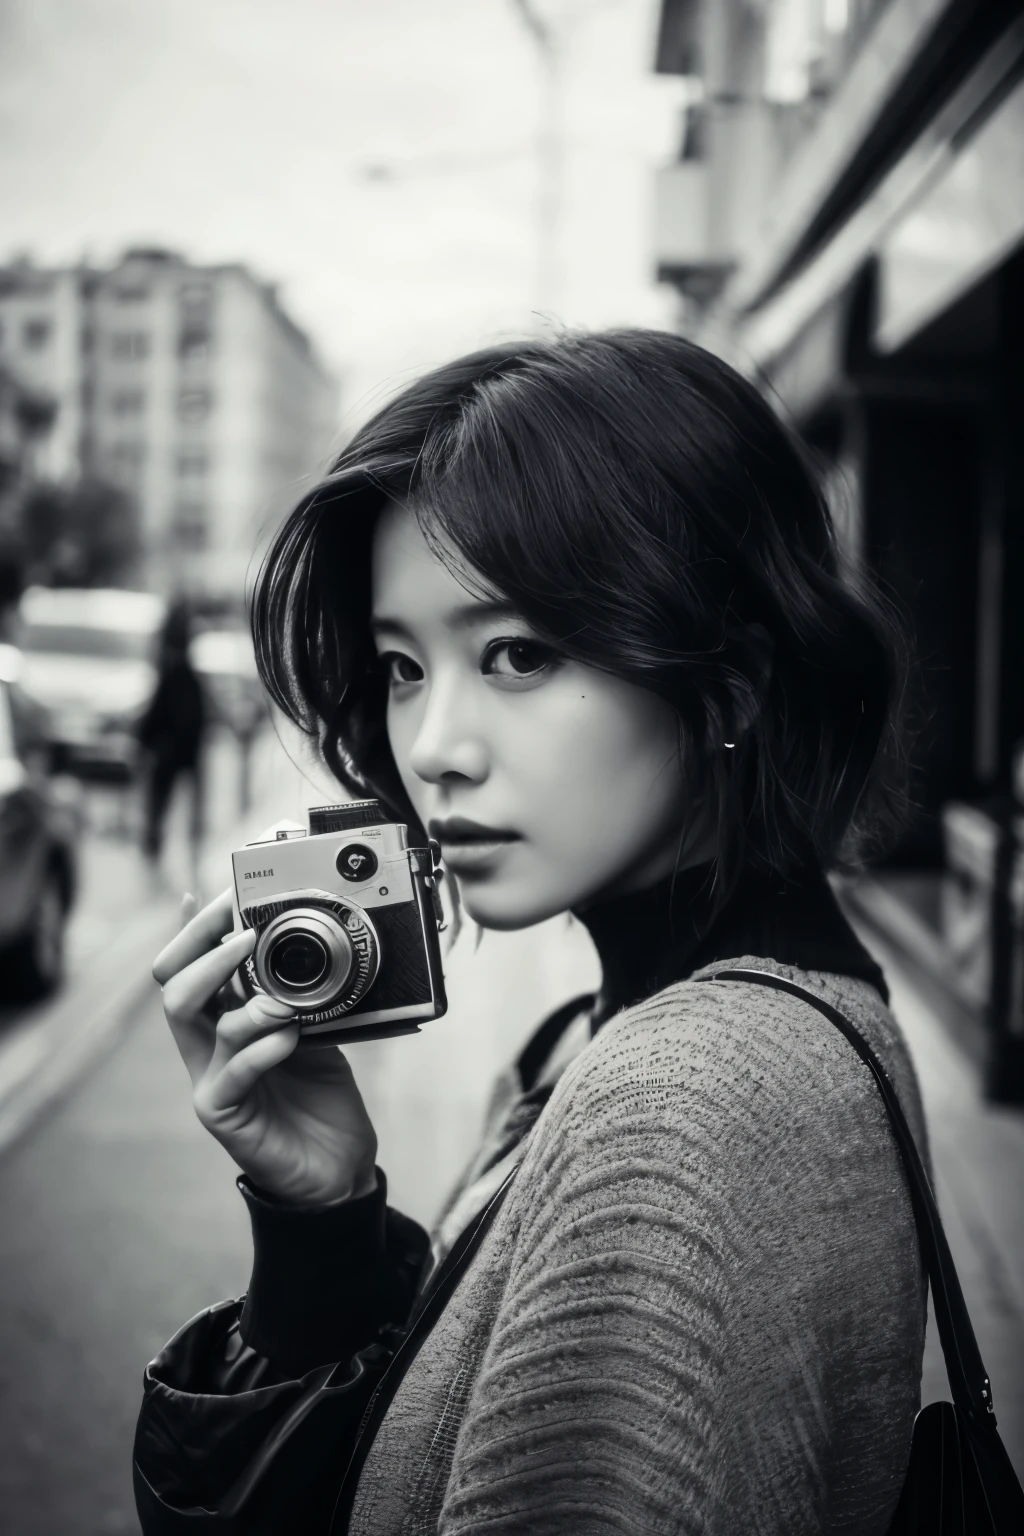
[119,1217]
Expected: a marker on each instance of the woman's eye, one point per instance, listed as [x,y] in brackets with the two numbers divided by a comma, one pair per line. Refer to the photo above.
[398,668]
[517,658]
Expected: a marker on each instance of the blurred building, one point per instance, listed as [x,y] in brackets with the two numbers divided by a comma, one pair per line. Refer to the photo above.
[845,221]
[41,348]
[26,420]
[187,386]
[26,423]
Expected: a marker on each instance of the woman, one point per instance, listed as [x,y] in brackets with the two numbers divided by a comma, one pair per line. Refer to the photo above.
[584,594]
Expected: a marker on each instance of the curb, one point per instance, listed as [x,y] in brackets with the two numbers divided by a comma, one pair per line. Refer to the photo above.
[54,1057]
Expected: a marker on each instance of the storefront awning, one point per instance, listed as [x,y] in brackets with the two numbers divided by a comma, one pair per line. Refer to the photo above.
[964,225]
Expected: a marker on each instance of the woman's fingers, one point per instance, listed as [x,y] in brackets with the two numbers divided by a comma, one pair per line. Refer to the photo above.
[200,934]
[187,991]
[226,1090]
[195,1041]
[239,1028]
[188,995]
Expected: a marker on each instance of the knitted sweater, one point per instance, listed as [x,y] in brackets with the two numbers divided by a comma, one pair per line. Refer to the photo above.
[701,1307]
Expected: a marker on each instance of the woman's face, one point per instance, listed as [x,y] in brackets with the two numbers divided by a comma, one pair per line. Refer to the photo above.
[577,771]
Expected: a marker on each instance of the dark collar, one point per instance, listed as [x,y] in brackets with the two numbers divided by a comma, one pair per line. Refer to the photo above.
[649,939]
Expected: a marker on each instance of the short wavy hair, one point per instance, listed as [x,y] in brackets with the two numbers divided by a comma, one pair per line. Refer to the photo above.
[646,511]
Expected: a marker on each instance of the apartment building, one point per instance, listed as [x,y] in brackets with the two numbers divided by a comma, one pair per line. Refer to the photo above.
[189,387]
[846,223]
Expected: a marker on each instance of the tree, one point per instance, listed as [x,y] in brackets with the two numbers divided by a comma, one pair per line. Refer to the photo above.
[83,535]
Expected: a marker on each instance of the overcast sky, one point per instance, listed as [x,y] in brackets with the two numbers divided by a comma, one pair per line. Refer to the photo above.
[377,158]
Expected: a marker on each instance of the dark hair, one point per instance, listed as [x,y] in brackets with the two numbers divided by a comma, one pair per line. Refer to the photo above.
[642,506]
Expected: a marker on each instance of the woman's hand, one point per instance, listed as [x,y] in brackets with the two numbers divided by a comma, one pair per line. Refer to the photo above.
[295,1124]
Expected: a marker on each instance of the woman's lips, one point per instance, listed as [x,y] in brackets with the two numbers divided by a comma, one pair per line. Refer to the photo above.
[459,829]
[464,851]
[470,855]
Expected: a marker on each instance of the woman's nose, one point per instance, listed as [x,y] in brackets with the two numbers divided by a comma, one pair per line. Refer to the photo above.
[448,739]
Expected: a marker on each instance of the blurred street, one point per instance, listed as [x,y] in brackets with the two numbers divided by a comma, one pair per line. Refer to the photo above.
[118,1214]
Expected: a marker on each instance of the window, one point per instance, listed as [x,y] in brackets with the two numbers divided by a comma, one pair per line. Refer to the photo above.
[127,402]
[194,344]
[196,295]
[195,313]
[35,334]
[193,461]
[130,344]
[190,536]
[194,404]
[126,458]
[190,527]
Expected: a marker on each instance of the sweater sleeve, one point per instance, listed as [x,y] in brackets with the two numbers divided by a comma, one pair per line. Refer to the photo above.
[248,1411]
[700,1234]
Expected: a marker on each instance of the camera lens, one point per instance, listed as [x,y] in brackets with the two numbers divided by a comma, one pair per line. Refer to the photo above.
[304,956]
[298,960]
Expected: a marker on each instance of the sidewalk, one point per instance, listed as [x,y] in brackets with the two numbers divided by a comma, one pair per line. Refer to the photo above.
[122,917]
[977,1153]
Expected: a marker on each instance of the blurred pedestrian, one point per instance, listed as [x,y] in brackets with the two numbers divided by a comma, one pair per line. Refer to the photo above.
[171,733]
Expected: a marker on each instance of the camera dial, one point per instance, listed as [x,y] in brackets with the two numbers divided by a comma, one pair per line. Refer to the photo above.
[356,863]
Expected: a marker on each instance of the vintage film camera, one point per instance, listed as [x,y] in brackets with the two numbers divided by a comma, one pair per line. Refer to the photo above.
[347,918]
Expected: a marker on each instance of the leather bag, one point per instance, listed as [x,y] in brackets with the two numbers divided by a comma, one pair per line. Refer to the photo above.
[959,1480]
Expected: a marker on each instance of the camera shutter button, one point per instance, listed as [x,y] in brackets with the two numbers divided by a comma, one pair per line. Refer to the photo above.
[356,863]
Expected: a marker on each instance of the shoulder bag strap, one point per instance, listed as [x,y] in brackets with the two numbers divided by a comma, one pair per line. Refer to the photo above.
[428,1307]
[968,1379]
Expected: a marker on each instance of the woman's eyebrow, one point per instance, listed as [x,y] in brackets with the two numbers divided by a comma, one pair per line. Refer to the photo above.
[378,625]
[462,617]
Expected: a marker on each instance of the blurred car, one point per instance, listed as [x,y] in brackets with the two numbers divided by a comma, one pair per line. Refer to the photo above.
[39,831]
[224,660]
[89,657]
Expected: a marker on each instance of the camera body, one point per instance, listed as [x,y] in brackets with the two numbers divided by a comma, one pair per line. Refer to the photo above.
[346,917]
